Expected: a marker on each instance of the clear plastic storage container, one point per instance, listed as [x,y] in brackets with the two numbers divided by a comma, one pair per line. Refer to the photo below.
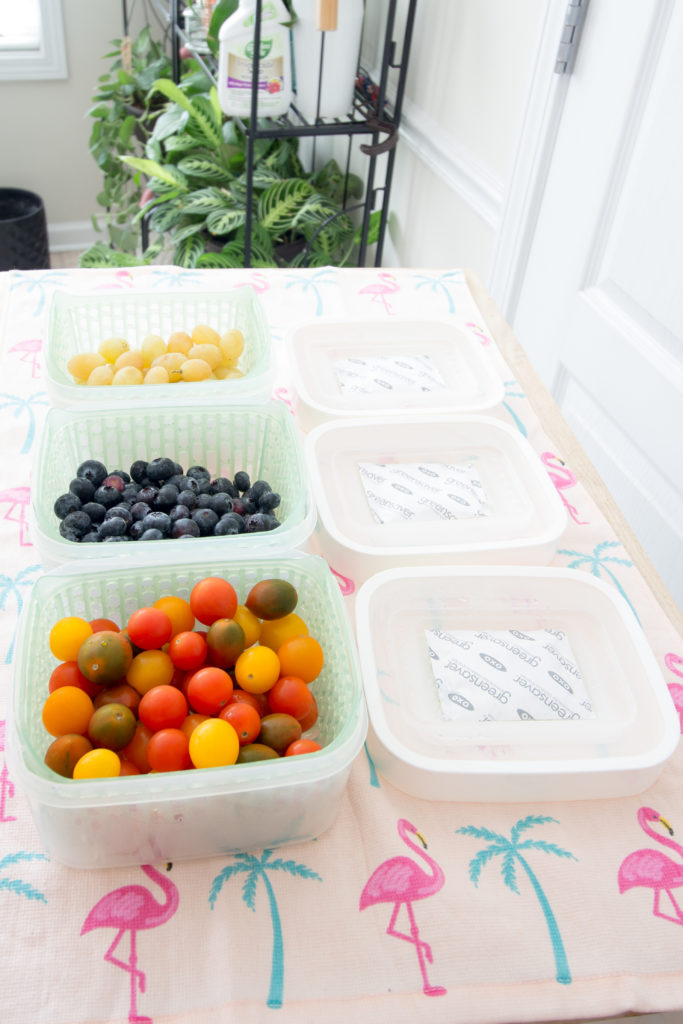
[201,812]
[261,439]
[523,516]
[79,323]
[378,367]
[618,751]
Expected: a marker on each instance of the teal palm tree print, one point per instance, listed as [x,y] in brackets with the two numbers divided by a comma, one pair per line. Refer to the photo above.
[441,285]
[16,885]
[311,283]
[257,868]
[374,779]
[174,278]
[24,407]
[597,563]
[34,284]
[518,393]
[12,587]
[511,851]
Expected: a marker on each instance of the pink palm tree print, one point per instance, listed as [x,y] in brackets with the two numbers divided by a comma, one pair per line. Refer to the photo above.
[18,499]
[401,881]
[133,908]
[652,869]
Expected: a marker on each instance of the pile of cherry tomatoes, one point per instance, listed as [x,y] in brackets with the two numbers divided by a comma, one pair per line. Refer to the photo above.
[163,694]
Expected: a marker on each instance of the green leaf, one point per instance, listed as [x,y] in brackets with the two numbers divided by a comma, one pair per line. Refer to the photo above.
[100,255]
[279,204]
[187,231]
[218,261]
[205,167]
[171,121]
[206,200]
[126,130]
[222,11]
[201,113]
[222,222]
[188,252]
[373,229]
[165,217]
[167,173]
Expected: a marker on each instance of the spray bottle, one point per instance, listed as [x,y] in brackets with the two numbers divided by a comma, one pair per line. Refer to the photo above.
[236,60]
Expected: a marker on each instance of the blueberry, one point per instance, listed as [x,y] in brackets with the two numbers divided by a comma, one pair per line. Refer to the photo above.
[226,527]
[206,519]
[221,485]
[258,488]
[268,501]
[243,507]
[157,521]
[178,480]
[221,503]
[115,539]
[260,522]
[114,527]
[130,492]
[242,481]
[199,473]
[68,534]
[160,469]
[107,495]
[65,504]
[148,495]
[119,512]
[152,534]
[112,480]
[233,519]
[205,500]
[94,510]
[77,522]
[82,488]
[188,498]
[179,512]
[138,470]
[139,510]
[136,530]
[93,471]
[167,497]
[185,528]
[90,538]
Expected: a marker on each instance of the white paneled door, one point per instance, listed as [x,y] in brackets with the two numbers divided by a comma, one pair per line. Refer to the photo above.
[599,303]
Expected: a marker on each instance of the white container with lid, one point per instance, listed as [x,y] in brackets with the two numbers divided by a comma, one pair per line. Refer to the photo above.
[525,516]
[618,752]
[352,367]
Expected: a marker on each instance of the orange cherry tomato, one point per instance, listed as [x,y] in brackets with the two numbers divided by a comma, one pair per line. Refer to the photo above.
[301,656]
[168,751]
[67,710]
[99,624]
[209,689]
[178,611]
[302,747]
[245,720]
[258,701]
[213,598]
[163,707]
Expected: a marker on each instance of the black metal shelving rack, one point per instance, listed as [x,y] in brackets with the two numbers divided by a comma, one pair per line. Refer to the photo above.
[371,115]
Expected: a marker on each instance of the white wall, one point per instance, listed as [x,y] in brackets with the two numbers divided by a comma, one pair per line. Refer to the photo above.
[44,129]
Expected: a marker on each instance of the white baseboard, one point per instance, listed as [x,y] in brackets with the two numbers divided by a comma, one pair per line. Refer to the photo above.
[70,236]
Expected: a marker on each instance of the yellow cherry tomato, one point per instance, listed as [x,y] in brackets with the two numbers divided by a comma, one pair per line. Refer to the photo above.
[214,743]
[98,764]
[257,669]
[67,635]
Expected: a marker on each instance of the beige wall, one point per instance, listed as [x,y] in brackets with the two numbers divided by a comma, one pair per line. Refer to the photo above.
[43,125]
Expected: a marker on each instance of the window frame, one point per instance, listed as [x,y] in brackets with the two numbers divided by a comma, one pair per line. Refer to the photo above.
[49,60]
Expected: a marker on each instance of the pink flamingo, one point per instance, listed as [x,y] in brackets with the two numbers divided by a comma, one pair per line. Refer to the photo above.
[31,350]
[130,909]
[6,786]
[562,477]
[652,869]
[674,663]
[284,396]
[480,333]
[401,881]
[18,499]
[676,691]
[346,585]
[257,281]
[380,289]
[122,279]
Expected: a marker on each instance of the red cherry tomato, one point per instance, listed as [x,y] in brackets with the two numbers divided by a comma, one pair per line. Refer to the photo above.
[99,624]
[302,747]
[291,696]
[68,674]
[245,720]
[187,650]
[162,707]
[213,598]
[209,689]
[257,700]
[168,751]
[136,751]
[149,628]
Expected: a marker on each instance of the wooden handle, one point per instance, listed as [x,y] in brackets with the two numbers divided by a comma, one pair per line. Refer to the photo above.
[327,15]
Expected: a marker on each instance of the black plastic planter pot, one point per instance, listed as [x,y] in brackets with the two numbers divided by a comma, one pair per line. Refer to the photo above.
[23,231]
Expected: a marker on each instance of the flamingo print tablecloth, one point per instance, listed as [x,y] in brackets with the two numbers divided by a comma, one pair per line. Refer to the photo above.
[528,912]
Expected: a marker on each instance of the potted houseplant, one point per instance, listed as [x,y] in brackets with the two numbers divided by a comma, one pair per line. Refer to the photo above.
[197,207]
